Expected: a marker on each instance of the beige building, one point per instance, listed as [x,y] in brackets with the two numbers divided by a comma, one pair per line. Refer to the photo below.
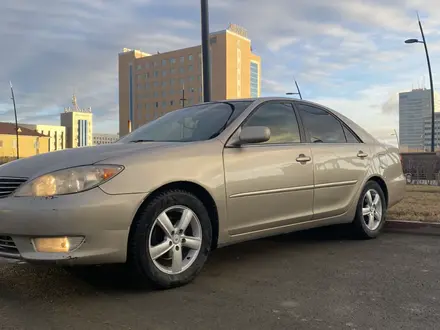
[56,134]
[152,85]
[79,125]
[99,138]
[30,142]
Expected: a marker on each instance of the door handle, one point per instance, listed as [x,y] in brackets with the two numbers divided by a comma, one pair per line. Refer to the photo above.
[362,154]
[303,158]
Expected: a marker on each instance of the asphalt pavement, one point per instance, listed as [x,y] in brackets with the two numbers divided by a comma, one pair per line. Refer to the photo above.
[313,280]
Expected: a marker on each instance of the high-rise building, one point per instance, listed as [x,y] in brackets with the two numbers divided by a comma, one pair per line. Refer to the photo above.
[78,123]
[151,85]
[414,107]
[428,130]
[56,134]
[99,139]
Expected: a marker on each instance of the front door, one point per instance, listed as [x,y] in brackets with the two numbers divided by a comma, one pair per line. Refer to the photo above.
[341,162]
[269,186]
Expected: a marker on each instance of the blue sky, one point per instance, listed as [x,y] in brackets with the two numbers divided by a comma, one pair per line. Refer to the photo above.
[346,54]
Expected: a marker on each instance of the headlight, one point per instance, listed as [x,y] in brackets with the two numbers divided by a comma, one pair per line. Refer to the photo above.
[68,181]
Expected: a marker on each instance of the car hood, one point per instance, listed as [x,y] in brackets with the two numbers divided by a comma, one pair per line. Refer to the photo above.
[37,165]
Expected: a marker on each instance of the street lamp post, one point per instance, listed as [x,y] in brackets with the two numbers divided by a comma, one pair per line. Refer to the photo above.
[206,58]
[297,88]
[397,138]
[16,121]
[423,41]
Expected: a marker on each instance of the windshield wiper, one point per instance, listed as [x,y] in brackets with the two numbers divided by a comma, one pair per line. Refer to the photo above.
[141,140]
[226,122]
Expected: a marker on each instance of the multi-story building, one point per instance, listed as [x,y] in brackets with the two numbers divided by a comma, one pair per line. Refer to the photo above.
[414,107]
[151,85]
[104,138]
[57,134]
[30,142]
[428,130]
[78,123]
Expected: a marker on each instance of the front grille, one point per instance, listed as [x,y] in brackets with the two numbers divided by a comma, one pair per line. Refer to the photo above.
[7,244]
[9,185]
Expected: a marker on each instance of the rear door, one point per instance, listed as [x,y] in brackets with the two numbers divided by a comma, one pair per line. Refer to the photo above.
[341,161]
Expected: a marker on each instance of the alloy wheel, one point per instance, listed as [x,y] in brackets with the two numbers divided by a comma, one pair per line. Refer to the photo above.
[372,209]
[175,239]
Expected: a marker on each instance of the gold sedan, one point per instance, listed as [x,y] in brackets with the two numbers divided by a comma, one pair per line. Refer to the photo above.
[202,177]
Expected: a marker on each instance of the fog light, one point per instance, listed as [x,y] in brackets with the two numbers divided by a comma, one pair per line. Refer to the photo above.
[57,244]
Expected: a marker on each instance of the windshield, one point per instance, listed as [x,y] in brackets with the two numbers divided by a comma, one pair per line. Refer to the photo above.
[195,123]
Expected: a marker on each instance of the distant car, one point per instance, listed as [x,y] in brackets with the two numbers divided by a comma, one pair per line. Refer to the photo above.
[198,178]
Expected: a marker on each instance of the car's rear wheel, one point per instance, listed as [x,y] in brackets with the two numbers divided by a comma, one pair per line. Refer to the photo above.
[370,213]
[170,240]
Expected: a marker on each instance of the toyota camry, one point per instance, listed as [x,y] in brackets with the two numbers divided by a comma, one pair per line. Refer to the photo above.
[209,175]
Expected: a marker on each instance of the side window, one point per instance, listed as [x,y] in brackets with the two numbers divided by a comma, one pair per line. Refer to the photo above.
[350,137]
[281,120]
[321,126]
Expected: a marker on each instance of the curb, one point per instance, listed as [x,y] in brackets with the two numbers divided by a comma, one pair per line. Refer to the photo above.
[413,227]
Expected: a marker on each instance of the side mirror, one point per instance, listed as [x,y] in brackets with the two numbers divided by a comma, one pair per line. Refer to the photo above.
[254,134]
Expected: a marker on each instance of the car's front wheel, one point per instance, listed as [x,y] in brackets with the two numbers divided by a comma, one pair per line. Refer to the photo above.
[370,213]
[170,240]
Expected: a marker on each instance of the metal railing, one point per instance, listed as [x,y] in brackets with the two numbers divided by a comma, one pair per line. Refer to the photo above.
[421,168]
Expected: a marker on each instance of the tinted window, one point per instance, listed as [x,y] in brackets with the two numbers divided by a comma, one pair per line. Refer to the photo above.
[320,125]
[194,123]
[281,120]
[350,137]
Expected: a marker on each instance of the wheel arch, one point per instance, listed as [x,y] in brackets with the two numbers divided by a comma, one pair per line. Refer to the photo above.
[197,190]
[382,184]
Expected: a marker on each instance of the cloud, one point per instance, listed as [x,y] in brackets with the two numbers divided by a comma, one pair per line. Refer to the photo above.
[349,53]
[278,43]
[272,87]
[391,105]
[55,48]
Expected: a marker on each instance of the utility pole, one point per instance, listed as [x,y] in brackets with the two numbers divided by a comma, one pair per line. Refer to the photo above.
[183,99]
[16,121]
[397,138]
[206,58]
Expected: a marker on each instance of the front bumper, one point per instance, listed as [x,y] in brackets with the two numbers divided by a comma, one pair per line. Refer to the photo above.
[103,220]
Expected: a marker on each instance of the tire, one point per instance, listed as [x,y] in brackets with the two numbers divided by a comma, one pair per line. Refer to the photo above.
[363,228]
[149,238]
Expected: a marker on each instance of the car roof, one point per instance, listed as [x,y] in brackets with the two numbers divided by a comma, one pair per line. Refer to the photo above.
[274,98]
[264,98]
